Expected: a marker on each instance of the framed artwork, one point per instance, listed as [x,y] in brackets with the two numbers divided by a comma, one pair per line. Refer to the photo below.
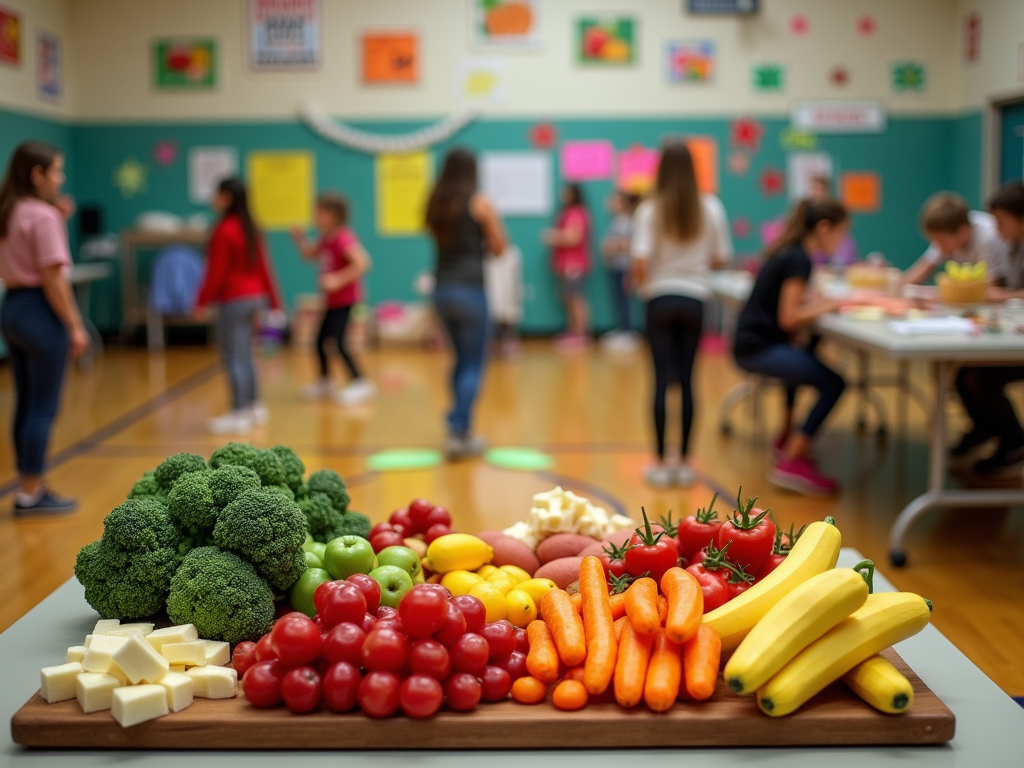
[10,36]
[690,61]
[185,64]
[48,66]
[507,24]
[606,41]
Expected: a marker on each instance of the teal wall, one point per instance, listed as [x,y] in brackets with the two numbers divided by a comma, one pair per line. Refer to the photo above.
[966,157]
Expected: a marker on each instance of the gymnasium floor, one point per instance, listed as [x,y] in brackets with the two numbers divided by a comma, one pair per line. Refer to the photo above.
[588,411]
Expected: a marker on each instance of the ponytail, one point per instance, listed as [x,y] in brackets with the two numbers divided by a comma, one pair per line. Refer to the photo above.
[239,206]
[803,220]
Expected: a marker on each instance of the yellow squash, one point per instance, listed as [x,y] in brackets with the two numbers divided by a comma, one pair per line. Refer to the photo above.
[458,552]
[881,685]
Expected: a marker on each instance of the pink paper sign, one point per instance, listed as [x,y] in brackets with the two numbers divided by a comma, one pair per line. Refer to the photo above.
[637,168]
[587,160]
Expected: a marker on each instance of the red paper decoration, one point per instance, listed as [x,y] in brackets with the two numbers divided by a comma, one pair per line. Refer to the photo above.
[739,163]
[773,182]
[747,133]
[799,25]
[741,227]
[543,136]
[866,26]
[839,76]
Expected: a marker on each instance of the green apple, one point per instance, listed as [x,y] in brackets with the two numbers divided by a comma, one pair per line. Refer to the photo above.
[301,594]
[308,541]
[403,557]
[312,561]
[317,548]
[394,583]
[346,555]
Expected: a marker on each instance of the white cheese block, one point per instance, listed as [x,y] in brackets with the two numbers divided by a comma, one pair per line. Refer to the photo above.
[183,633]
[213,682]
[179,688]
[192,654]
[58,683]
[177,668]
[88,641]
[99,655]
[127,630]
[218,653]
[136,704]
[139,661]
[103,626]
[76,653]
[95,691]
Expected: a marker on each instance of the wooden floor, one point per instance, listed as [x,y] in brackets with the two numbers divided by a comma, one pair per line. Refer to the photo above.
[588,411]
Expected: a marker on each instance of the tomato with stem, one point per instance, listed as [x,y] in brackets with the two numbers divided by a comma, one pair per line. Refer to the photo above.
[695,531]
[650,553]
[751,534]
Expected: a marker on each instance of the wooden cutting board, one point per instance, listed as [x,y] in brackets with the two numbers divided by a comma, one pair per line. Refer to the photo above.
[834,717]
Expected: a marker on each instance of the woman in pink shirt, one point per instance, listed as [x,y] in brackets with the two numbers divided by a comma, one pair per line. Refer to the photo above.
[39,317]
[570,244]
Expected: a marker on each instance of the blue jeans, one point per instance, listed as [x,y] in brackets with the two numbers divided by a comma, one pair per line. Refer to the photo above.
[237,323]
[38,344]
[799,367]
[620,299]
[463,311]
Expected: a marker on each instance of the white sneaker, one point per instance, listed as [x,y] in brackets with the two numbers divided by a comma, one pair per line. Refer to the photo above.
[683,476]
[319,391]
[457,448]
[359,391]
[232,423]
[619,342]
[260,413]
[659,476]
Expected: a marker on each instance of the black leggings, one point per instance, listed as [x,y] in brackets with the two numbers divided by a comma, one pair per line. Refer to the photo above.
[673,331]
[333,327]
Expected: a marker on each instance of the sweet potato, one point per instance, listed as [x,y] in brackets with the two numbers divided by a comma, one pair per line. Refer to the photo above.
[490,536]
[596,549]
[619,538]
[509,551]
[562,545]
[563,571]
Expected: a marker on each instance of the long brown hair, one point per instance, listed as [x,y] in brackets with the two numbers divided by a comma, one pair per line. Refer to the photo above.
[677,207]
[239,206]
[802,221]
[451,194]
[17,181]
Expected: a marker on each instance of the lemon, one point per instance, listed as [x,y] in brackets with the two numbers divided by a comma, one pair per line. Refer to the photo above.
[459,582]
[517,573]
[537,588]
[485,570]
[493,600]
[521,608]
[502,581]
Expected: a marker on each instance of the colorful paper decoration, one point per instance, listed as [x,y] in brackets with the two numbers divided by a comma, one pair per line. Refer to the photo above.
[861,191]
[799,25]
[972,37]
[346,136]
[746,134]
[185,64]
[284,35]
[704,151]
[606,40]
[390,58]
[866,26]
[587,160]
[768,78]
[165,152]
[690,61]
[773,182]
[794,138]
[130,178]
[481,81]
[543,136]
[48,65]
[637,168]
[281,188]
[507,24]
[403,184]
[908,76]
[769,231]
[10,37]
[739,163]
[839,76]
[741,227]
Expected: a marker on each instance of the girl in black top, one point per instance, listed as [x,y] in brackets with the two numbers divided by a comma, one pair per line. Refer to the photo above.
[780,304]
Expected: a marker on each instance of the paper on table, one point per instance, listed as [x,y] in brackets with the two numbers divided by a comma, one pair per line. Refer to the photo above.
[518,183]
[403,183]
[802,168]
[933,326]
[207,167]
[587,160]
[281,188]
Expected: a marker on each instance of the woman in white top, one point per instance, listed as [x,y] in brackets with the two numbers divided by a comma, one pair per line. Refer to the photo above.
[679,236]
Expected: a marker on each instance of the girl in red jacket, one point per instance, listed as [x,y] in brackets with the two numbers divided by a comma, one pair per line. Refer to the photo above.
[240,281]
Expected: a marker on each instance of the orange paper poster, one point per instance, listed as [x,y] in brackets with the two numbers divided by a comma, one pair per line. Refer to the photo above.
[705,162]
[861,191]
[10,36]
[390,58]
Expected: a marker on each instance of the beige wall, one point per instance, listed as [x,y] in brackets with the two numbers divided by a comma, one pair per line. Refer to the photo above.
[113,37]
[18,84]
[996,75]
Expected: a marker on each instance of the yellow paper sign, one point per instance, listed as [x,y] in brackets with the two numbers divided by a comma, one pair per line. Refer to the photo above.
[403,184]
[281,188]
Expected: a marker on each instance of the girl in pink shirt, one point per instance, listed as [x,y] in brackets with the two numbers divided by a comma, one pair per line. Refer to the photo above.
[570,259]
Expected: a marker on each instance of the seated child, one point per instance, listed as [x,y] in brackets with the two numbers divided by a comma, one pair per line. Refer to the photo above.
[955,232]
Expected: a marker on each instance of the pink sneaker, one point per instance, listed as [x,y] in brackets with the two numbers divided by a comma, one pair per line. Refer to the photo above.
[571,342]
[802,475]
[779,443]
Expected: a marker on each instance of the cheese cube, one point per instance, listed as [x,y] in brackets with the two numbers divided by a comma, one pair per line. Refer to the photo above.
[103,626]
[76,653]
[213,682]
[178,668]
[136,704]
[179,688]
[99,656]
[58,683]
[127,630]
[218,653]
[88,641]
[183,633]
[139,661]
[95,691]
[192,654]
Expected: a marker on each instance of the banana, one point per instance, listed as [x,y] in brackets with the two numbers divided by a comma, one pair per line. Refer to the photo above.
[884,619]
[796,621]
[816,551]
[458,552]
[881,685]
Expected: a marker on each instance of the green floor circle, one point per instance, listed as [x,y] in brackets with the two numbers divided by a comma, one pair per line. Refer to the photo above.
[404,460]
[519,459]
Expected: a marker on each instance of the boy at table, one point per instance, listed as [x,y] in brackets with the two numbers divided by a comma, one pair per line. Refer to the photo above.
[981,388]
[954,232]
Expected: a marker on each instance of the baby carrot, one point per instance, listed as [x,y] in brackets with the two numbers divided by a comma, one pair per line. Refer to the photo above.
[565,625]
[618,625]
[685,604]
[577,602]
[529,690]
[631,665]
[701,656]
[618,605]
[642,606]
[597,620]
[542,658]
[664,672]
[569,695]
[576,673]
[662,610]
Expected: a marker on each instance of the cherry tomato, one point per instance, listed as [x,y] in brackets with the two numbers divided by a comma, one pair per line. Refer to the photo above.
[423,610]
[341,686]
[401,517]
[463,692]
[515,665]
[297,642]
[495,684]
[378,694]
[650,553]
[380,528]
[436,531]
[344,643]
[522,641]
[370,589]
[694,532]
[386,612]
[243,657]
[262,683]
[421,696]
[301,690]
[387,539]
[428,657]
[752,535]
[265,650]
[473,609]
[418,511]
[501,639]
[470,653]
[438,516]
[395,624]
[772,562]
[436,588]
[737,588]
[612,560]
[320,595]
[385,650]
[343,603]
[713,587]
[369,622]
[453,628]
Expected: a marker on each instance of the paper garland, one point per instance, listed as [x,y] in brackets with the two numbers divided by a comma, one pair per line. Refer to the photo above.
[345,136]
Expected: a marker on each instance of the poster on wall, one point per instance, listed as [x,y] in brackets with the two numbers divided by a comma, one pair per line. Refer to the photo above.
[48,66]
[972,37]
[390,57]
[606,40]
[839,116]
[10,36]
[518,183]
[587,160]
[185,64]
[481,81]
[281,188]
[690,61]
[403,184]
[637,168]
[506,24]
[207,167]
[284,35]
[861,191]
[802,168]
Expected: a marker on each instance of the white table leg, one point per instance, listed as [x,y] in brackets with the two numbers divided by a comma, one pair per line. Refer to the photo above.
[868,395]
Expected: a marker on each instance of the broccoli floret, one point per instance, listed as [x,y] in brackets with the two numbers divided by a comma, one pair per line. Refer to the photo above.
[173,467]
[353,524]
[267,529]
[222,595]
[127,573]
[192,508]
[322,519]
[302,492]
[264,463]
[146,487]
[281,490]
[294,469]
[230,481]
[329,483]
